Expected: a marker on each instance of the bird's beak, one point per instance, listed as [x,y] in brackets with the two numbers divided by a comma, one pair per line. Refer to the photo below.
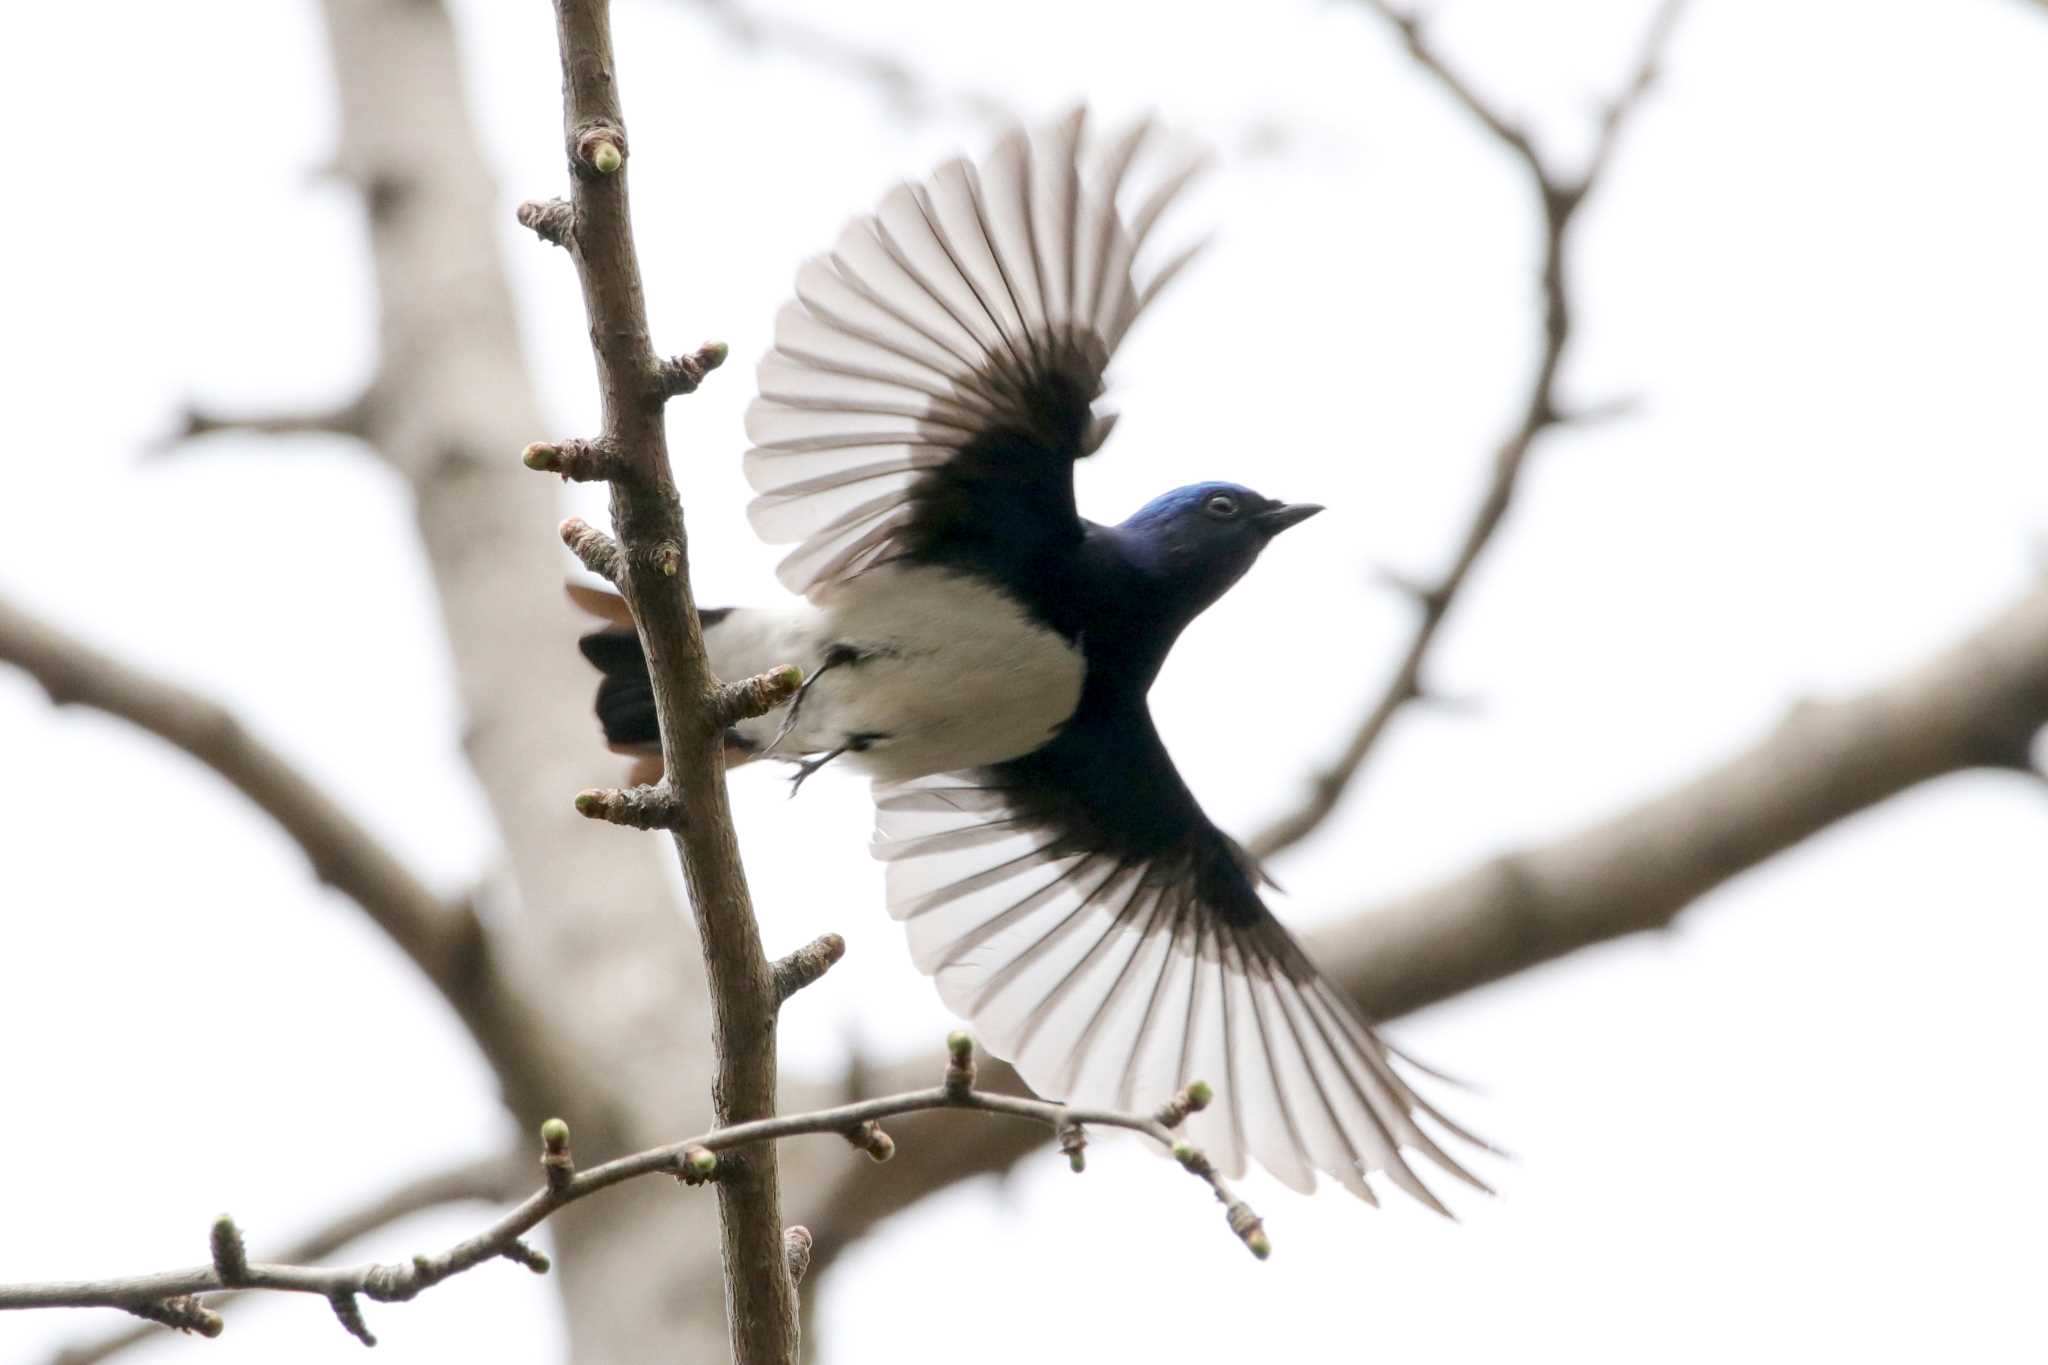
[1274,520]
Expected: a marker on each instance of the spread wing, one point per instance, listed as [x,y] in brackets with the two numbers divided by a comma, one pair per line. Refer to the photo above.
[931,384]
[1100,933]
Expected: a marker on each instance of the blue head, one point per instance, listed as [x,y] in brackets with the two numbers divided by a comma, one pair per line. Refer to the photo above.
[1200,539]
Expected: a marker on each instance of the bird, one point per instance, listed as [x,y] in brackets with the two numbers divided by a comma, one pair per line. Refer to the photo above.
[983,654]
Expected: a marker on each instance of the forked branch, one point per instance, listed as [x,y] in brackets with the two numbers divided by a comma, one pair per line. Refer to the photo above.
[1559,194]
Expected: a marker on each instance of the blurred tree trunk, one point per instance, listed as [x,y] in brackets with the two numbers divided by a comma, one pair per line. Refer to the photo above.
[585,930]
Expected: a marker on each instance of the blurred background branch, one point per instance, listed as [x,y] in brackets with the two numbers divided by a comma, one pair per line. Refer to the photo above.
[440,936]
[907,85]
[1559,196]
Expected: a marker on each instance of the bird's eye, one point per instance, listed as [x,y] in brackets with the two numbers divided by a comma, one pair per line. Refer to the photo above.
[1221,506]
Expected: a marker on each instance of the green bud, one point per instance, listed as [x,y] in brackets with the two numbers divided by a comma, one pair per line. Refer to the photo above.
[606,158]
[539,455]
[713,354]
[1185,1153]
[554,1134]
[703,1161]
[1199,1095]
[960,1043]
[1261,1248]
[1078,1161]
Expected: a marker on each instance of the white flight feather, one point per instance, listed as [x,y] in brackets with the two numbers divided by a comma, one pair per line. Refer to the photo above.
[1106,988]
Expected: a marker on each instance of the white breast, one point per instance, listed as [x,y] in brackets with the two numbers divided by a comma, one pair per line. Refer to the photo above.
[953,673]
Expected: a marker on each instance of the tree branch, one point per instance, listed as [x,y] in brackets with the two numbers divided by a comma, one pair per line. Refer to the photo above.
[170,1297]
[910,92]
[440,936]
[1977,704]
[351,418]
[1560,195]
[486,1179]
[653,574]
[444,939]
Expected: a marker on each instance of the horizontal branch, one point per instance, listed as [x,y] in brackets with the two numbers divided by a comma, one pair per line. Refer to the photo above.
[170,1296]
[488,1179]
[1978,704]
[351,418]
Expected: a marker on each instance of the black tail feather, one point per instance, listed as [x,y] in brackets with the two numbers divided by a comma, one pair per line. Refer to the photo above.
[625,696]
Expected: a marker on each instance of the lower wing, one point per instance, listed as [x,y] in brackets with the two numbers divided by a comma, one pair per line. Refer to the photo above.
[1112,979]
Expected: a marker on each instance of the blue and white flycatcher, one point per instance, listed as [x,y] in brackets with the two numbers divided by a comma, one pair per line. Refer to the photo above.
[983,653]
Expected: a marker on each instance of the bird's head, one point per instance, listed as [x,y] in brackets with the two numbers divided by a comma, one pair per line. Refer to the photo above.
[1200,539]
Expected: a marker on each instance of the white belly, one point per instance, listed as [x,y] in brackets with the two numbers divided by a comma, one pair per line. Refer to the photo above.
[952,673]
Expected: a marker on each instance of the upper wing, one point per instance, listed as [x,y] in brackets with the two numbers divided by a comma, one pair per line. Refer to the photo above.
[930,385]
[1105,937]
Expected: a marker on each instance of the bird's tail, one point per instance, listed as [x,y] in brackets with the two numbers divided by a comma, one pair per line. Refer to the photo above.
[625,693]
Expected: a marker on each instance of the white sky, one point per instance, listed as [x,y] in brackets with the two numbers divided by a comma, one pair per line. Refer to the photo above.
[1805,1123]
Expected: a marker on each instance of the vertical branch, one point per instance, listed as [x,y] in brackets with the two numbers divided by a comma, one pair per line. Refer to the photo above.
[652,571]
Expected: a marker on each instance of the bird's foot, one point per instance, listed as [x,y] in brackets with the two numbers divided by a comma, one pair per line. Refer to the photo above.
[835,655]
[854,744]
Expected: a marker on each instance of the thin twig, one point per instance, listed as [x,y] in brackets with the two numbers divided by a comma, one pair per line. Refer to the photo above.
[799,969]
[166,1295]
[654,807]
[351,418]
[493,1179]
[910,92]
[1560,195]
